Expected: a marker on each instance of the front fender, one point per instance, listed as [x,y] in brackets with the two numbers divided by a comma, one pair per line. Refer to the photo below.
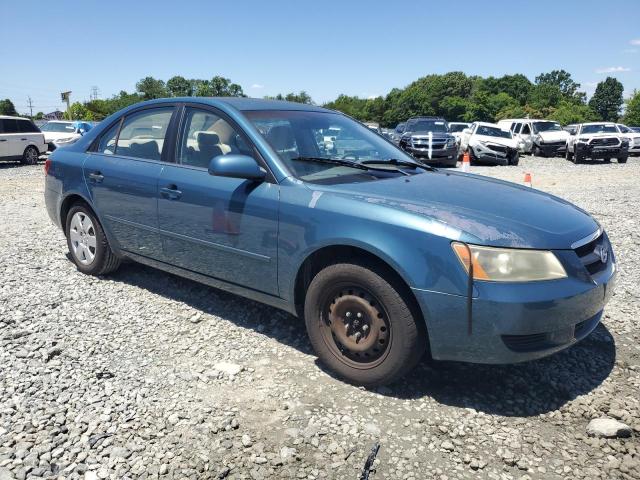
[310,221]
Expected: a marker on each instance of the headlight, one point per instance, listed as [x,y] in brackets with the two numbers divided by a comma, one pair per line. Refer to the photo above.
[509,264]
[583,140]
[538,139]
[451,141]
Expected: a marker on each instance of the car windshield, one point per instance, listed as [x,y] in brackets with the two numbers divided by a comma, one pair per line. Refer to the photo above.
[599,128]
[457,127]
[546,127]
[492,132]
[58,127]
[307,142]
[400,127]
[625,129]
[427,126]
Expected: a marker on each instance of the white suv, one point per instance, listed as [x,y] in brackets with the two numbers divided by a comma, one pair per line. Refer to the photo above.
[20,140]
[540,137]
[596,140]
[632,137]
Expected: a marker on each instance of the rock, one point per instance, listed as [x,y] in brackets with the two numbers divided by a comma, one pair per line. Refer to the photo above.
[447,445]
[173,419]
[5,474]
[246,440]
[228,368]
[90,475]
[608,428]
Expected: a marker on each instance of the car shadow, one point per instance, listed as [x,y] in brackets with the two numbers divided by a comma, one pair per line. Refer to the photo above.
[524,389]
[6,165]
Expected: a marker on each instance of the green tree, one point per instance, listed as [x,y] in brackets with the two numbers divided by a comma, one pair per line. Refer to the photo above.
[39,116]
[302,97]
[78,111]
[632,114]
[607,99]
[151,88]
[561,79]
[573,112]
[7,107]
[178,86]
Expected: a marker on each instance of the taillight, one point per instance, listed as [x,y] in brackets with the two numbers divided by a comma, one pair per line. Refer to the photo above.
[47,166]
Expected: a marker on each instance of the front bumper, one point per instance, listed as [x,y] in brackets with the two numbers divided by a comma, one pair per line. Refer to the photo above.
[484,154]
[448,156]
[551,149]
[517,322]
[604,152]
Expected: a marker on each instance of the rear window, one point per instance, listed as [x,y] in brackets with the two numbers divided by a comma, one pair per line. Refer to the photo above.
[27,126]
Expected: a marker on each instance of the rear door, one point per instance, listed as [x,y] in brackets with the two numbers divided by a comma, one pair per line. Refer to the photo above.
[122,176]
[31,135]
[11,135]
[225,228]
[4,141]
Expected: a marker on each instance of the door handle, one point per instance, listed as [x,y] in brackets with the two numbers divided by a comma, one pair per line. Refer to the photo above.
[3,139]
[96,177]
[23,139]
[171,192]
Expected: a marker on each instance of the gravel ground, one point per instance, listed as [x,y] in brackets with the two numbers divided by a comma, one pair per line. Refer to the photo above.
[144,375]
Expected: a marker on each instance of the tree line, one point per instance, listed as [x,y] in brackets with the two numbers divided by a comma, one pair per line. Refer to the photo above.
[454,96]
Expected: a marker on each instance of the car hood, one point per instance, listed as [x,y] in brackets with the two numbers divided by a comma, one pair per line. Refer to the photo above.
[554,136]
[507,142]
[467,207]
[53,136]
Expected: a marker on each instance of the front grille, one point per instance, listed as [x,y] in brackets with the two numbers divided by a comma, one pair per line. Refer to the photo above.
[526,343]
[591,254]
[498,148]
[558,143]
[604,142]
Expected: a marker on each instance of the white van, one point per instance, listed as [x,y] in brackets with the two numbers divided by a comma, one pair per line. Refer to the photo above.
[20,139]
[543,138]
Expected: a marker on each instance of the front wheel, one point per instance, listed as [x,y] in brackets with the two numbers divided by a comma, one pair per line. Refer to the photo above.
[30,155]
[567,154]
[623,159]
[514,160]
[87,243]
[361,324]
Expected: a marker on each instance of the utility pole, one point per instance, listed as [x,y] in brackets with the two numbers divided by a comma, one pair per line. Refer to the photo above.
[30,107]
[65,98]
[95,92]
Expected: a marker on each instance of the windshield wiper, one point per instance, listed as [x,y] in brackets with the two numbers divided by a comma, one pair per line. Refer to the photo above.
[334,161]
[400,163]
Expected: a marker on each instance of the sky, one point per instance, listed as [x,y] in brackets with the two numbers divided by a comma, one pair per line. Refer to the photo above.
[326,47]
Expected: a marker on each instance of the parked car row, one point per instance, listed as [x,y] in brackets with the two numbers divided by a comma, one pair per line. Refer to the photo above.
[21,139]
[434,140]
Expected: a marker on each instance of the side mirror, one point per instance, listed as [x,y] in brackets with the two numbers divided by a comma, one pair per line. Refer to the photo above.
[236,166]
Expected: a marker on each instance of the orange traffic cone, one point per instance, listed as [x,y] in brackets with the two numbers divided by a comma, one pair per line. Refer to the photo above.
[466,162]
[527,180]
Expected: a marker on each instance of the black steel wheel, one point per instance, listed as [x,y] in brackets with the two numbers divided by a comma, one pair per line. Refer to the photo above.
[362,323]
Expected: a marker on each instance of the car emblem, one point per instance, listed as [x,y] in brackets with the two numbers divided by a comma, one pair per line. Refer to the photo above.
[603,252]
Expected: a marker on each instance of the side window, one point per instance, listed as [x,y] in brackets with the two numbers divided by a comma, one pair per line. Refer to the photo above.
[107,144]
[10,125]
[142,134]
[516,128]
[206,135]
[526,130]
[26,126]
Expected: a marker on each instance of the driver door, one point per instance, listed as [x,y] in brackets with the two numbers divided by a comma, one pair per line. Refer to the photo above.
[226,228]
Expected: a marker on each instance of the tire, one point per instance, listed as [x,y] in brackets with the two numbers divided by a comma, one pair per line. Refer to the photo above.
[537,152]
[30,156]
[88,245]
[577,157]
[392,333]
[514,160]
[623,159]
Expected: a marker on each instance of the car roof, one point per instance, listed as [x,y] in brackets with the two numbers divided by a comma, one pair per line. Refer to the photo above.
[16,118]
[66,121]
[487,124]
[599,123]
[426,117]
[243,103]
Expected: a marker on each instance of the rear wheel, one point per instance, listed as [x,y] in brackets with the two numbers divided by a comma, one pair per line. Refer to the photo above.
[361,324]
[30,155]
[87,243]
